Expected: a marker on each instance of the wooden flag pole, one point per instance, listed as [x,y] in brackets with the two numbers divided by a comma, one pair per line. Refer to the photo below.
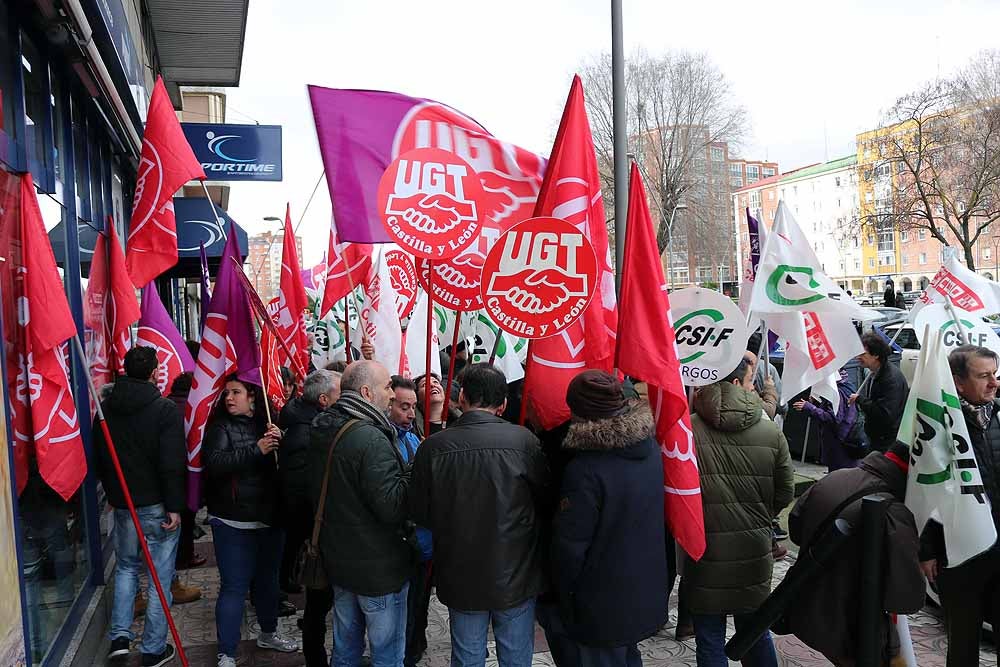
[427,345]
[451,366]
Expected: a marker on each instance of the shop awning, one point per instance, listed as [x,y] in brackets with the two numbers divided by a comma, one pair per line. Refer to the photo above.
[195,225]
[199,43]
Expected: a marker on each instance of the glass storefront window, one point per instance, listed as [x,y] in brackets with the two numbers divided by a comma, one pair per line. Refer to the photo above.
[7,65]
[99,205]
[37,105]
[81,156]
[55,547]
[58,137]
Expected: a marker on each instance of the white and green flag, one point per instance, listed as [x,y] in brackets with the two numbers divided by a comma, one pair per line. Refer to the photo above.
[509,349]
[944,483]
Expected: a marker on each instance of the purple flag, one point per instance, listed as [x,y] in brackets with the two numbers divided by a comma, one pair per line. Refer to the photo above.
[157,330]
[361,132]
[228,345]
[206,291]
[753,229]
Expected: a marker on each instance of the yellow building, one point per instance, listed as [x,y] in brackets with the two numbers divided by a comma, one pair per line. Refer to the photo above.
[880,240]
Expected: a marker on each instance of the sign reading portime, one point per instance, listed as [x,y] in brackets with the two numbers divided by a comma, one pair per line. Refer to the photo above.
[711,335]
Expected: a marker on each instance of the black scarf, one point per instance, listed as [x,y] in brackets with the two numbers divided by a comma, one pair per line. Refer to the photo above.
[980,415]
[354,405]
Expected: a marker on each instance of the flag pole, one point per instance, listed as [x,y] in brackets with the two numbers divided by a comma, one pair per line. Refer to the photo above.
[496,346]
[451,366]
[427,345]
[347,330]
[150,566]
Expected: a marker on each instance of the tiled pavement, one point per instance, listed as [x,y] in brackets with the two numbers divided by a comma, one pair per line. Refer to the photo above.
[196,623]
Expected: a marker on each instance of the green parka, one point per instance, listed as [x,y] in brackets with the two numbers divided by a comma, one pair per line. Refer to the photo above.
[746,479]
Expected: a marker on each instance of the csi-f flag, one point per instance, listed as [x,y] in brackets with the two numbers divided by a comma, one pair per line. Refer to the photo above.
[944,483]
[790,278]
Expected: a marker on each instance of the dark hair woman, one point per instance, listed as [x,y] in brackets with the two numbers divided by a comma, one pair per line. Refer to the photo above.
[239,454]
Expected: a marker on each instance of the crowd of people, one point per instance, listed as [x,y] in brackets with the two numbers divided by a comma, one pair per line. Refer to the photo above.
[510,525]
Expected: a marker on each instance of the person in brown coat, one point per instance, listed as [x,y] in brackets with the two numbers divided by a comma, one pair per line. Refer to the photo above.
[825,617]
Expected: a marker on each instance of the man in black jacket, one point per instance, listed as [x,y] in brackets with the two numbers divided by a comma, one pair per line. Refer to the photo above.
[320,390]
[148,434]
[970,592]
[478,486]
[884,396]
[609,526]
[363,541]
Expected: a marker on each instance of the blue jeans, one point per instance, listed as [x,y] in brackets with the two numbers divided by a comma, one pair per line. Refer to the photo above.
[710,638]
[513,629]
[129,564]
[384,616]
[566,652]
[244,556]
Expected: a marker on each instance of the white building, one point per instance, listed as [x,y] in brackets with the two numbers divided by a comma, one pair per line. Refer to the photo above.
[824,200]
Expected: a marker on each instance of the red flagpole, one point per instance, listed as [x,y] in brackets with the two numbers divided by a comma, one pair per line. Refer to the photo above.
[430,334]
[451,367]
[150,567]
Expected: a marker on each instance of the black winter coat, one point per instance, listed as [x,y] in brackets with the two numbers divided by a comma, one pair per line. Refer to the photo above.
[363,540]
[608,542]
[293,470]
[241,482]
[480,486]
[882,403]
[148,433]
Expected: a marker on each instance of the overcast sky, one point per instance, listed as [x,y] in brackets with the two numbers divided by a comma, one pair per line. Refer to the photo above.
[810,78]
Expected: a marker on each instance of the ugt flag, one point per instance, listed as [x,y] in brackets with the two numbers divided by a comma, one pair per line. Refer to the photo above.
[645,310]
[361,131]
[37,323]
[944,483]
[166,163]
[572,191]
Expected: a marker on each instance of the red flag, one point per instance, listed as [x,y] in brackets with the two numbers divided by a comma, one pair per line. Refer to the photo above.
[37,324]
[288,310]
[349,264]
[167,162]
[109,308]
[646,351]
[572,191]
[272,354]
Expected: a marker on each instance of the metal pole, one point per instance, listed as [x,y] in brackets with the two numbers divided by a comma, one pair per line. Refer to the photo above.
[620,136]
[873,511]
[950,307]
[805,439]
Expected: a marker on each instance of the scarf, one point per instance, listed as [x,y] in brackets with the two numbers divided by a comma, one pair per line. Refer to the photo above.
[980,415]
[357,407]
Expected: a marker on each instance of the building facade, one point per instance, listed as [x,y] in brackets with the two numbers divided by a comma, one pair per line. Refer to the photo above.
[263,263]
[75,80]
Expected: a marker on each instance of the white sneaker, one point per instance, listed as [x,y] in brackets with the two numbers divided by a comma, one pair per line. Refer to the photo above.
[276,642]
[226,661]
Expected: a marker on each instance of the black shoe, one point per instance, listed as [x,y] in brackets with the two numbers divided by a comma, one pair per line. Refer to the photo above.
[286,608]
[151,660]
[119,648]
[780,533]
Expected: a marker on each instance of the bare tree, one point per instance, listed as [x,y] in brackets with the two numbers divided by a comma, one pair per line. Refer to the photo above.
[678,106]
[936,161]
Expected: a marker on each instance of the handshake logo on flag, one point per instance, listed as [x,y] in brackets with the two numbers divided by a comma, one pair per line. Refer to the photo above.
[431,213]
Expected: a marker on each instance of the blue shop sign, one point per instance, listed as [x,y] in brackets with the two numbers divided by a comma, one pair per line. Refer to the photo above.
[197,224]
[236,152]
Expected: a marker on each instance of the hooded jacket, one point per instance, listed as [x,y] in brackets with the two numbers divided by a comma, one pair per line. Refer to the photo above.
[608,533]
[746,479]
[148,434]
[825,617]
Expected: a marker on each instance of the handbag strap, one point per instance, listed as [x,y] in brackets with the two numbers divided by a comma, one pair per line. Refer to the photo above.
[318,517]
[835,514]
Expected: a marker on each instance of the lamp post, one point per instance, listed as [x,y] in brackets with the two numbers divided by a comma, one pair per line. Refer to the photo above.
[670,243]
[996,259]
[267,218]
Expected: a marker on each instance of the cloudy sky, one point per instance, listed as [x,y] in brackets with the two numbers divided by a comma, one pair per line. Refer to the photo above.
[811,80]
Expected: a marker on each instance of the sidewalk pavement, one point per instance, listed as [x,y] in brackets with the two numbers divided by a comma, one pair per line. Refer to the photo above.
[196,623]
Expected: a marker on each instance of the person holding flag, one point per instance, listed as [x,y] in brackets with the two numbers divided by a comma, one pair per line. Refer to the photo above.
[958,512]
[882,399]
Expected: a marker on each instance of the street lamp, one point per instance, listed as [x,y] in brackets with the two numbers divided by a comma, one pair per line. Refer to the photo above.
[996,260]
[670,242]
[271,218]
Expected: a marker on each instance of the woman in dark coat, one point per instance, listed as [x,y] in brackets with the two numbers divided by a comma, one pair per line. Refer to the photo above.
[608,533]
[239,455]
[834,425]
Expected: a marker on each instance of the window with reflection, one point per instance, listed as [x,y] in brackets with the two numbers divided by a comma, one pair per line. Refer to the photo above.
[37,104]
[81,157]
[58,102]
[55,556]
[7,65]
